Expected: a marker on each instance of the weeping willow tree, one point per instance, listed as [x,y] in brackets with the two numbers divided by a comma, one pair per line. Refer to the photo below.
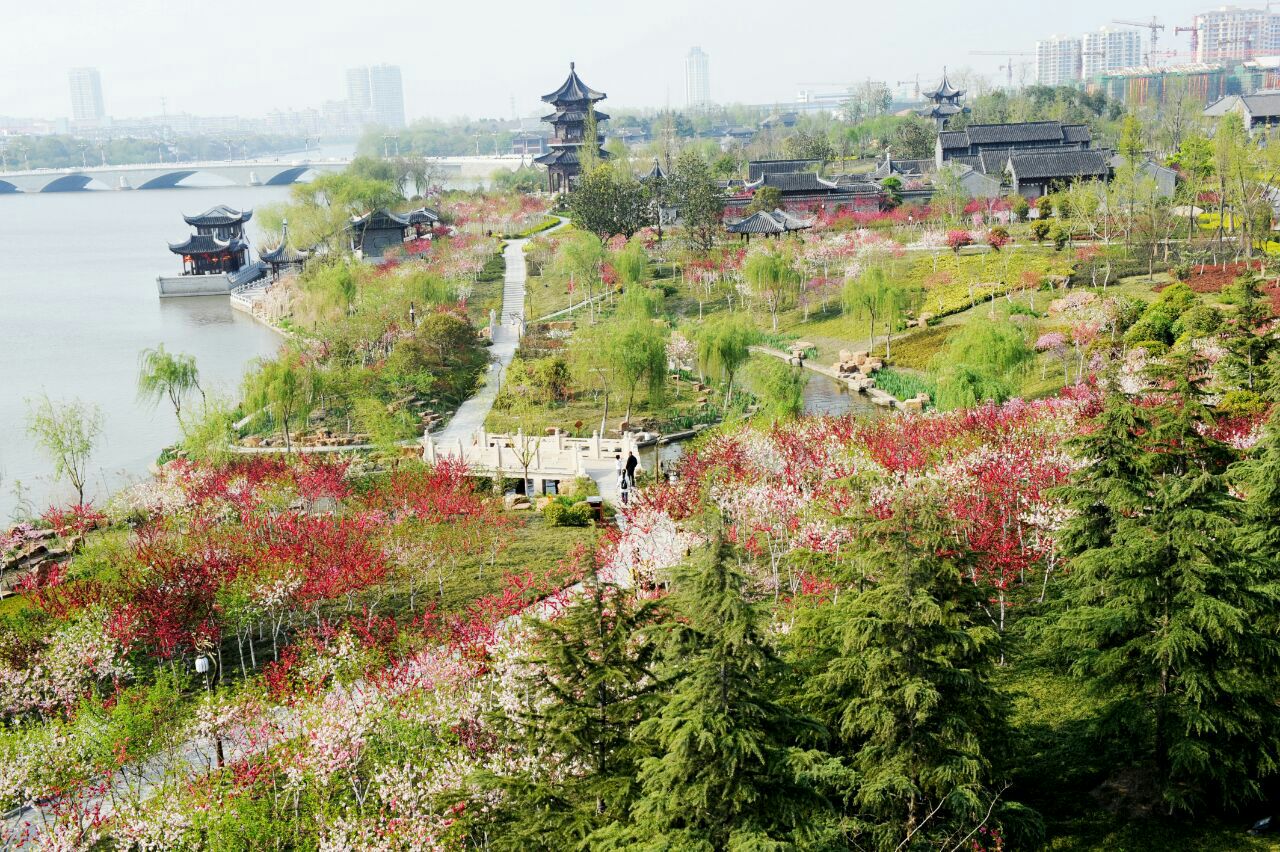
[980,364]
[778,386]
[631,264]
[772,280]
[163,374]
[724,345]
[872,296]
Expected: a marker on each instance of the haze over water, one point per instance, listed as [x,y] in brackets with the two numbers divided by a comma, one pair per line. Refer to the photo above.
[78,302]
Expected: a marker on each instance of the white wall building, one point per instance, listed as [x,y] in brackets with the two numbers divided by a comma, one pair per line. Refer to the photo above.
[86,95]
[697,82]
[1108,49]
[1231,33]
[1058,61]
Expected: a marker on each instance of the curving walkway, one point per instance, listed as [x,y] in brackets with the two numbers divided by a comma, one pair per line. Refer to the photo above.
[471,415]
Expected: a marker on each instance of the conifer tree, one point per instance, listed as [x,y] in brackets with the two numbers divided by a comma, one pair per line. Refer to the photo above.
[1259,478]
[725,773]
[906,690]
[1164,614]
[594,677]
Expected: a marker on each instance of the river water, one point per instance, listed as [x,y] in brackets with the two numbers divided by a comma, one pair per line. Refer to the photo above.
[78,303]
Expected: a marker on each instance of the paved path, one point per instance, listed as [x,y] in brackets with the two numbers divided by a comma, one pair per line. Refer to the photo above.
[471,415]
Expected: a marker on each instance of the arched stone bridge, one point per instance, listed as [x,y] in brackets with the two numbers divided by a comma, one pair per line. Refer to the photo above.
[165,175]
[272,172]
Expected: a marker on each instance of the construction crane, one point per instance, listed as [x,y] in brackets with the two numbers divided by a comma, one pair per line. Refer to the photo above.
[916,82]
[1008,54]
[1154,25]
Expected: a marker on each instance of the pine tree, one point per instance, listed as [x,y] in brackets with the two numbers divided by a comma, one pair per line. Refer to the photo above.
[1164,614]
[725,772]
[1259,478]
[594,675]
[907,688]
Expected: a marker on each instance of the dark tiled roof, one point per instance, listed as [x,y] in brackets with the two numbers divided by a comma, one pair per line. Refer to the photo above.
[993,160]
[953,139]
[1050,165]
[565,155]
[756,223]
[422,216]
[777,222]
[974,162]
[1076,133]
[755,168]
[1004,134]
[795,181]
[380,219]
[219,216]
[204,244]
[573,89]
[1263,104]
[572,115]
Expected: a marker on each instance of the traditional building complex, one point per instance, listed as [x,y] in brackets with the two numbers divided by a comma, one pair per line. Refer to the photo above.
[1032,156]
[573,102]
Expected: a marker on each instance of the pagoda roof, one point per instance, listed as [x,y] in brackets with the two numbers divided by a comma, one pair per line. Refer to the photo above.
[383,218]
[205,244]
[285,253]
[944,90]
[572,115]
[219,216]
[566,155]
[573,89]
[763,222]
[422,216]
[655,173]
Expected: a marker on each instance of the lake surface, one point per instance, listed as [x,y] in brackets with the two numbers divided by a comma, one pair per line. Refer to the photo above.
[78,303]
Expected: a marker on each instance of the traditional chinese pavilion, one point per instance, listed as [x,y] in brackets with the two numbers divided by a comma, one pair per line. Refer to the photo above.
[572,101]
[218,244]
[946,101]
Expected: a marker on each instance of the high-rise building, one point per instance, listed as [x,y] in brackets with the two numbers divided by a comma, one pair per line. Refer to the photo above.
[376,94]
[1108,49]
[697,83]
[1058,61]
[359,97]
[1231,33]
[386,93]
[86,95]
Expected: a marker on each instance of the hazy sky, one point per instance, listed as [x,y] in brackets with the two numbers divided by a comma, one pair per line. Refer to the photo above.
[473,56]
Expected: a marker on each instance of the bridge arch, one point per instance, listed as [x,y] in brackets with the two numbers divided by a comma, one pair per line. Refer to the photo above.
[288,176]
[167,181]
[69,183]
[6,187]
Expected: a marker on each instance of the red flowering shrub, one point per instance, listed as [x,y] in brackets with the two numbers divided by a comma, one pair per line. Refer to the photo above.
[958,239]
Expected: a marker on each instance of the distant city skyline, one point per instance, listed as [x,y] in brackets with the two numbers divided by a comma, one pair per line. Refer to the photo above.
[478,61]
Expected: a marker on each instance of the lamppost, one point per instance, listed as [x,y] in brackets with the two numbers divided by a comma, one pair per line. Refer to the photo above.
[204,667]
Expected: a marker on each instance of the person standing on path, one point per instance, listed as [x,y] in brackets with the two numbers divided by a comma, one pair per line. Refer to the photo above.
[632,464]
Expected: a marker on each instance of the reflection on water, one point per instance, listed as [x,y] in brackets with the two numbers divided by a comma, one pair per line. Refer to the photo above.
[824,395]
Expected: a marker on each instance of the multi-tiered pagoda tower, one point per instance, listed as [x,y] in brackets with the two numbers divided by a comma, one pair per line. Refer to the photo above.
[573,101]
[946,102]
